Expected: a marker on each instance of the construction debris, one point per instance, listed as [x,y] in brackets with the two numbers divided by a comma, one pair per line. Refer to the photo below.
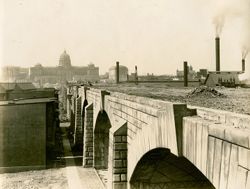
[205,92]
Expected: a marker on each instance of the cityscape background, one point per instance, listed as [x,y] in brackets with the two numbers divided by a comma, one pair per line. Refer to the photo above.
[157,36]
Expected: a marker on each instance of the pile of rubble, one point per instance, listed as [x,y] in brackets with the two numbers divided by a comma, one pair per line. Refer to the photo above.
[204,91]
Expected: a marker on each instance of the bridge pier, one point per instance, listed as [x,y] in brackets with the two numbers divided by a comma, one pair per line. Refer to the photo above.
[118,159]
[68,101]
[78,130]
[88,153]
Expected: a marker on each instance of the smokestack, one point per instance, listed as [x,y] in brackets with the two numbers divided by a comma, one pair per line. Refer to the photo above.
[217,53]
[185,68]
[136,75]
[243,64]
[117,72]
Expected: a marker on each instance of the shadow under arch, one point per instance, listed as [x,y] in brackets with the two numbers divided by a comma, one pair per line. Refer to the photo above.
[101,141]
[159,168]
[85,103]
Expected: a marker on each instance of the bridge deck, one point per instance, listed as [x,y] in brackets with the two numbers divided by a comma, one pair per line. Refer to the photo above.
[236,100]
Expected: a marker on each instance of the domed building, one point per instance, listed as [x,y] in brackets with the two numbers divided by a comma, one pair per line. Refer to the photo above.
[63,72]
[64,60]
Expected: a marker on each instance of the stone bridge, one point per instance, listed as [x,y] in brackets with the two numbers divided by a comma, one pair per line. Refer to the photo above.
[148,143]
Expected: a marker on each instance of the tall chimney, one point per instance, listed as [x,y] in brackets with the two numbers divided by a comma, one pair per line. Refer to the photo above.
[117,72]
[243,64]
[136,75]
[217,53]
[185,68]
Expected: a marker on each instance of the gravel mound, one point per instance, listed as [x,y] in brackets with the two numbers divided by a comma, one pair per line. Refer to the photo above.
[204,91]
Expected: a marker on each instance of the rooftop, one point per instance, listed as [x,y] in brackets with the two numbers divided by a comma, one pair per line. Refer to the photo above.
[11,86]
[27,101]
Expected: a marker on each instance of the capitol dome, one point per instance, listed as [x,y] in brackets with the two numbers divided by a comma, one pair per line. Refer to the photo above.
[64,60]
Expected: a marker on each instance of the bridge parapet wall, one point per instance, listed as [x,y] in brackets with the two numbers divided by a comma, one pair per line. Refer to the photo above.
[216,142]
[229,118]
[219,147]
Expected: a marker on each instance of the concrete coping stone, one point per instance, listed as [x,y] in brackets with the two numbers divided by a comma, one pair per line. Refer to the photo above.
[144,100]
[221,116]
[223,131]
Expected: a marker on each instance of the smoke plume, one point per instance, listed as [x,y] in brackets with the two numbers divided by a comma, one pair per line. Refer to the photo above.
[245,51]
[246,34]
[219,23]
[227,10]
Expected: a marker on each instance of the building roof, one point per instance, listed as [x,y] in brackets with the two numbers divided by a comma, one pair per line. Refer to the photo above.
[225,72]
[28,101]
[11,86]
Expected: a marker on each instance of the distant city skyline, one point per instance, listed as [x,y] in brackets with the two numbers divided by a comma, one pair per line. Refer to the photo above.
[157,36]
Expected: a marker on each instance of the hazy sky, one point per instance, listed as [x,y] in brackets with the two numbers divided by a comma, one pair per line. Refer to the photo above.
[155,35]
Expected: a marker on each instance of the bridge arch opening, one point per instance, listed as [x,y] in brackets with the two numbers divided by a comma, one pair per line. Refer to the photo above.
[159,168]
[101,141]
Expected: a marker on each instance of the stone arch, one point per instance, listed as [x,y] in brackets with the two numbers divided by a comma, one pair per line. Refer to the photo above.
[159,168]
[101,140]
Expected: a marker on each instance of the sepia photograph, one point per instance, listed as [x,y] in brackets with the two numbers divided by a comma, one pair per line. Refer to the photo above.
[132,94]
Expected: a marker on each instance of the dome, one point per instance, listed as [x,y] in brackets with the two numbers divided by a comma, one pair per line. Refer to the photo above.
[64,60]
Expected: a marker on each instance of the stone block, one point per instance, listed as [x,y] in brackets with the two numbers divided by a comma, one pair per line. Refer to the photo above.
[217,162]
[241,177]
[233,166]
[210,158]
[120,185]
[124,163]
[248,181]
[118,138]
[124,138]
[117,155]
[244,157]
[237,136]
[123,177]
[123,154]
[89,128]
[90,149]
[89,135]
[120,146]
[90,162]
[88,143]
[217,130]
[91,154]
[120,170]
[118,163]
[116,178]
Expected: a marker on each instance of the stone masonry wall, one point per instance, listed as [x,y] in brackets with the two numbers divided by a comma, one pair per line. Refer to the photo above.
[78,133]
[220,151]
[120,160]
[88,137]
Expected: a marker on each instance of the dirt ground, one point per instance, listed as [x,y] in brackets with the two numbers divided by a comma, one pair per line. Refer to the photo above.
[50,178]
[233,100]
